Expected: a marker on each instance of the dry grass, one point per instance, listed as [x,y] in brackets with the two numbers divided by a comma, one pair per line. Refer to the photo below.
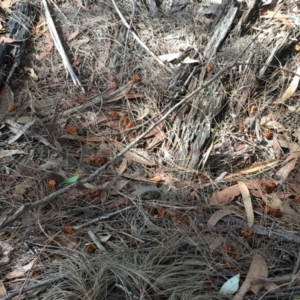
[149,255]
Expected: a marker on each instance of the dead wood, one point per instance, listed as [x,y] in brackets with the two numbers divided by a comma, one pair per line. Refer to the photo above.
[275,233]
[18,31]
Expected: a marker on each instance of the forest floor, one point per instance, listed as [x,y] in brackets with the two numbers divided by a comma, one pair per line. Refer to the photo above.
[96,199]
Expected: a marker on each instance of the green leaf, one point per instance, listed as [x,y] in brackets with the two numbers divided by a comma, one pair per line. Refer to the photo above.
[70,180]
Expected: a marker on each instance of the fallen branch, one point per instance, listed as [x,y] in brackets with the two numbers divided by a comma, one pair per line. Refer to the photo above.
[278,234]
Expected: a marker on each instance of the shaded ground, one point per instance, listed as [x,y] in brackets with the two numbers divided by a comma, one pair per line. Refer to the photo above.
[211,192]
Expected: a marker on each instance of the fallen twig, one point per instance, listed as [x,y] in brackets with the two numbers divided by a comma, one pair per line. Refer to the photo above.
[127,38]
[103,217]
[28,288]
[59,46]
[96,241]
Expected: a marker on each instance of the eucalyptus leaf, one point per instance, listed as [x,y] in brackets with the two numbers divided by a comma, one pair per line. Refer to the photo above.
[231,286]
[70,180]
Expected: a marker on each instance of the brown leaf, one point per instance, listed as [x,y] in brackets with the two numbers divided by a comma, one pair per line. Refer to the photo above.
[20,271]
[6,40]
[134,96]
[217,216]
[291,88]
[14,274]
[276,147]
[290,162]
[258,270]
[269,286]
[118,202]
[2,289]
[278,16]
[247,202]
[5,3]
[155,130]
[256,167]
[156,140]
[71,36]
[136,155]
[228,194]
[294,186]
[122,167]
[239,147]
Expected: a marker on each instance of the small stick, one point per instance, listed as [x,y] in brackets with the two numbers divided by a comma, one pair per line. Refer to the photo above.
[28,288]
[102,217]
[96,241]
[127,37]
[21,131]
